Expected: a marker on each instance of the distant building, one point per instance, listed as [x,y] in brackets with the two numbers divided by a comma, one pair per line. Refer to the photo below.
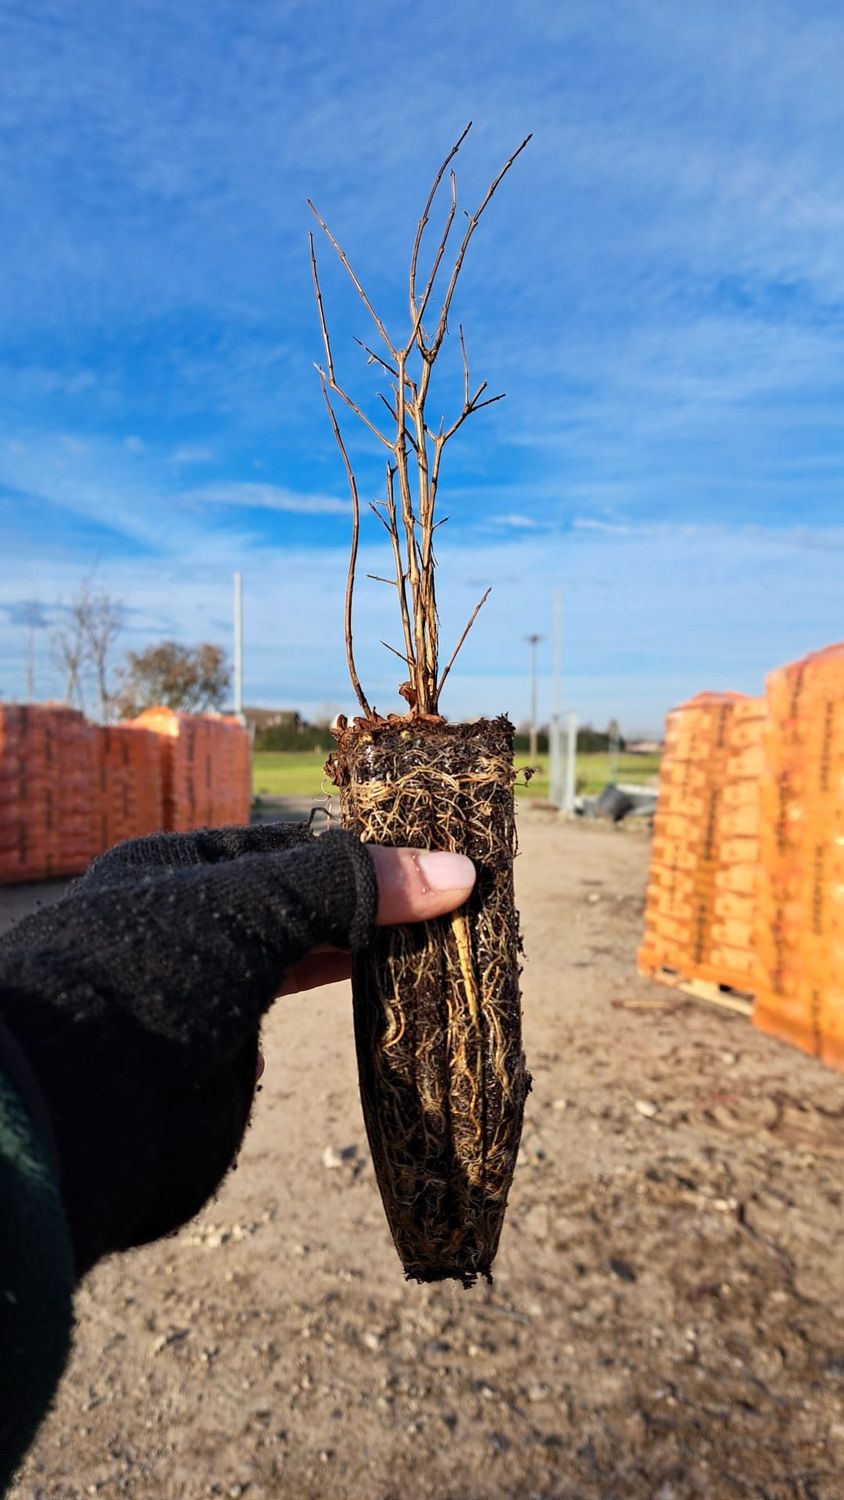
[270,718]
[644,747]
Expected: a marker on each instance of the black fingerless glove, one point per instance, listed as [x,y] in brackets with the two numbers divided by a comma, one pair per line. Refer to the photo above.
[137,999]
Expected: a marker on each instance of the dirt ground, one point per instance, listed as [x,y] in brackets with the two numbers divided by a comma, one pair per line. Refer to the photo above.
[666,1319]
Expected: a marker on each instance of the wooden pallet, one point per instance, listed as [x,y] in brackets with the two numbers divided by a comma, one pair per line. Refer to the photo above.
[725,995]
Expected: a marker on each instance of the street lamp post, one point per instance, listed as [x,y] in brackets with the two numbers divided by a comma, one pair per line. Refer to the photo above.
[533,642]
[238,645]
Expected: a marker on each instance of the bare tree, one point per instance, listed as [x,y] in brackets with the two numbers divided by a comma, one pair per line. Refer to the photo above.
[84,639]
[32,618]
[102,623]
[69,650]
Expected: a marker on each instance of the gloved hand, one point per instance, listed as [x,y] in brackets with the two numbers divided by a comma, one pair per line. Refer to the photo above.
[137,1001]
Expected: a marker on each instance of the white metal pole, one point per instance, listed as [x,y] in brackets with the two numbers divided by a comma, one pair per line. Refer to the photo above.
[238,644]
[556,774]
[571,763]
[555,764]
[558,650]
[533,642]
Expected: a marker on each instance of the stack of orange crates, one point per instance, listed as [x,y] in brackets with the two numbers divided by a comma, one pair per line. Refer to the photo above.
[24,849]
[800,936]
[232,772]
[732,955]
[47,792]
[186,770]
[130,801]
[69,790]
[700,910]
[72,747]
[205,768]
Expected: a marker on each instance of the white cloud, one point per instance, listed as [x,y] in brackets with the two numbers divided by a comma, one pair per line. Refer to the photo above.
[515,522]
[267,497]
[193,455]
[586,523]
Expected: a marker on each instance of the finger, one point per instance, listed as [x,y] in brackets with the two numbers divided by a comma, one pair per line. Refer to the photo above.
[415,884]
[327,967]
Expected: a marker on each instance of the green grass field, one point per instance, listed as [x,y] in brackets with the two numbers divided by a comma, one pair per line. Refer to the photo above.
[300,773]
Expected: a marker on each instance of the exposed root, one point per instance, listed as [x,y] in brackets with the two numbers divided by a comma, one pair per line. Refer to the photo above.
[437,1009]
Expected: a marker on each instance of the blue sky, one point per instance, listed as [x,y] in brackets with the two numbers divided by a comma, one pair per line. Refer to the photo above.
[658,287]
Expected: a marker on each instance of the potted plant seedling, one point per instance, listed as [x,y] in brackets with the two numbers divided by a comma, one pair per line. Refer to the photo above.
[436,1006]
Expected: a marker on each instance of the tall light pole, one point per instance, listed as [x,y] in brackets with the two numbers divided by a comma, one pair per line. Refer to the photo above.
[558,650]
[533,642]
[238,644]
[556,773]
[30,614]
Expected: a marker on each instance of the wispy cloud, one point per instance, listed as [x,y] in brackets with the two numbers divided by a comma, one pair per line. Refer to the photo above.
[267,497]
[29,613]
[586,523]
[515,522]
[193,455]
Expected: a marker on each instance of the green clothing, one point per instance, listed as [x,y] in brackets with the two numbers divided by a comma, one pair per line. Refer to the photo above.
[36,1283]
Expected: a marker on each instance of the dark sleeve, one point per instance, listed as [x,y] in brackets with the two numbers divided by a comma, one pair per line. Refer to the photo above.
[36,1282]
[208,846]
[137,1000]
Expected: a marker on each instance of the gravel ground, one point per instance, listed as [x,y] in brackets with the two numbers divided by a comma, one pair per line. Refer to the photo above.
[666,1319]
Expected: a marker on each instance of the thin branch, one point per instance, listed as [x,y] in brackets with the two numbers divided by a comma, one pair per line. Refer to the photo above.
[353,554]
[421,617]
[352,405]
[376,578]
[466,401]
[470,229]
[358,288]
[416,333]
[490,401]
[328,376]
[393,413]
[373,506]
[401,576]
[476,611]
[417,314]
[400,654]
[375,359]
[320,309]
[469,411]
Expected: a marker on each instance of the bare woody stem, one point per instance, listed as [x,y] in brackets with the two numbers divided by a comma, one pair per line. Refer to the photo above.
[417,313]
[461,254]
[413,446]
[424,680]
[353,555]
[400,575]
[474,615]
